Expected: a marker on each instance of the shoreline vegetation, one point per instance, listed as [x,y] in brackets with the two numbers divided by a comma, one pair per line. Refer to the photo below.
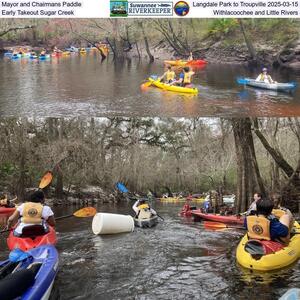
[268,42]
[193,155]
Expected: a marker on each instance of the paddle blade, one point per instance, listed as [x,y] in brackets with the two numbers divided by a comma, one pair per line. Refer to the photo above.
[46,180]
[146,84]
[242,80]
[214,224]
[85,212]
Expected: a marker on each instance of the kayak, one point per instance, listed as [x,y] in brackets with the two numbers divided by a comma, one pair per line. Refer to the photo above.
[8,54]
[56,54]
[7,210]
[197,214]
[143,223]
[187,212]
[172,199]
[26,54]
[33,57]
[66,53]
[173,88]
[291,294]
[16,56]
[32,277]
[31,240]
[183,63]
[264,255]
[82,51]
[44,57]
[268,86]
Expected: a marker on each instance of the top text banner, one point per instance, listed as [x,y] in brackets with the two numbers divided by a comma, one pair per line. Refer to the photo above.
[150,9]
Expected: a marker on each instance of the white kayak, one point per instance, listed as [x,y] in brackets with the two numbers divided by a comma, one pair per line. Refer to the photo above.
[268,86]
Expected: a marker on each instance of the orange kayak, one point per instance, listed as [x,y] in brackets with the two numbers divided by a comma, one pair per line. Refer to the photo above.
[182,63]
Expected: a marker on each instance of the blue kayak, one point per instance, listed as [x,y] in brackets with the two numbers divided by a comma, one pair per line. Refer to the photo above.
[8,54]
[44,57]
[292,294]
[16,56]
[31,276]
[277,86]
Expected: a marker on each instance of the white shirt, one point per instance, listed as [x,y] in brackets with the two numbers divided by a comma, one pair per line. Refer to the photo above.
[46,213]
[136,209]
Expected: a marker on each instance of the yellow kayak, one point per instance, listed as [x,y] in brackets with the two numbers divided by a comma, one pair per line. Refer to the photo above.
[275,260]
[66,53]
[173,199]
[173,88]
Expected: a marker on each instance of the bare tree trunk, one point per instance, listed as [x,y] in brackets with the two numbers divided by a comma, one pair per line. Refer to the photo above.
[249,179]
[151,57]
[248,42]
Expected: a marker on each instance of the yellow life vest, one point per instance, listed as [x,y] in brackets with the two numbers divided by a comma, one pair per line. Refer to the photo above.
[187,77]
[32,213]
[144,211]
[278,213]
[258,228]
[170,75]
[143,206]
[262,77]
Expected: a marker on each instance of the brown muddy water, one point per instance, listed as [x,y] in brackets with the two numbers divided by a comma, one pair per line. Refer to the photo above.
[178,259]
[83,86]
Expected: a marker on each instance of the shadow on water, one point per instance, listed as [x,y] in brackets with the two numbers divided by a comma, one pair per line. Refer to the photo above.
[82,85]
[178,259]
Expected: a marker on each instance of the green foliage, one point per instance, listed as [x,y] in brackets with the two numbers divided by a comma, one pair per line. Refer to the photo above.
[220,27]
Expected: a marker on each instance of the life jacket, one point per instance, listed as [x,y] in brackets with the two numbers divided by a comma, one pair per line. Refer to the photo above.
[32,213]
[258,228]
[187,77]
[278,212]
[263,77]
[144,211]
[170,75]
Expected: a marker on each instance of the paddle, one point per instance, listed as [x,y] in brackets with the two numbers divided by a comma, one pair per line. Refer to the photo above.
[81,213]
[46,179]
[148,83]
[218,225]
[240,80]
[160,217]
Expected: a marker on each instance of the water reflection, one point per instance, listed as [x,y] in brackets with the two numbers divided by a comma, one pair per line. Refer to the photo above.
[82,85]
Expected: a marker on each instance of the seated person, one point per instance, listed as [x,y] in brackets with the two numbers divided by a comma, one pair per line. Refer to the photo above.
[4,202]
[32,212]
[265,226]
[190,56]
[265,77]
[206,206]
[252,208]
[185,78]
[169,75]
[143,210]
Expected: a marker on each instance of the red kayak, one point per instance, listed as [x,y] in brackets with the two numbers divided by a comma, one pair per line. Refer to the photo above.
[186,211]
[218,218]
[197,62]
[31,240]
[7,210]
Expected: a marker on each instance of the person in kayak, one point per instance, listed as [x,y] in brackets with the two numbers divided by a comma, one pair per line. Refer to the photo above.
[32,212]
[143,210]
[265,226]
[4,202]
[190,56]
[185,78]
[265,77]
[169,75]
[252,207]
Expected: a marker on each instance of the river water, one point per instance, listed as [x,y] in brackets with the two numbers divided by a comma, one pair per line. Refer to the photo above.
[83,86]
[178,259]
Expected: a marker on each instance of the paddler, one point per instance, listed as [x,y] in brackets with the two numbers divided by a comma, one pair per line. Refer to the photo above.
[169,75]
[265,77]
[265,226]
[143,210]
[43,52]
[33,212]
[185,78]
[252,207]
[4,202]
[190,56]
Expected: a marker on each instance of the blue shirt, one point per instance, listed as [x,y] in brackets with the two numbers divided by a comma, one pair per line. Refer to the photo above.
[181,75]
[277,229]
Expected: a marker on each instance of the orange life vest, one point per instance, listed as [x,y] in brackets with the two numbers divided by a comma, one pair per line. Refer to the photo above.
[32,213]
[258,228]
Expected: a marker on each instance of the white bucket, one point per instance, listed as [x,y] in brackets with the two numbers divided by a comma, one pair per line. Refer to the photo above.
[104,223]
